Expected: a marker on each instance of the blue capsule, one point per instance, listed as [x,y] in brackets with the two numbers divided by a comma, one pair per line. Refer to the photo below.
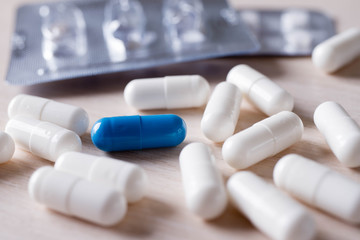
[138,132]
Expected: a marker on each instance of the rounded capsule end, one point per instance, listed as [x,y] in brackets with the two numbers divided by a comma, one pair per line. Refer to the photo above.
[98,131]
[66,141]
[115,209]
[323,57]
[130,94]
[179,129]
[208,203]
[300,226]
[13,108]
[234,154]
[216,128]
[7,147]
[34,186]
[136,185]
[79,122]
[348,152]
[281,102]
[201,90]
[281,169]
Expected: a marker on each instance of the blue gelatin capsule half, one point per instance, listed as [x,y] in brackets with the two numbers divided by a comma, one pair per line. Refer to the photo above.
[138,132]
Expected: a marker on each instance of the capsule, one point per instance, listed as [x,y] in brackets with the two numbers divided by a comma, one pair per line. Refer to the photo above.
[170,92]
[270,210]
[203,184]
[65,115]
[341,132]
[43,139]
[138,132]
[264,93]
[337,51]
[77,197]
[126,177]
[262,140]
[222,112]
[320,186]
[7,147]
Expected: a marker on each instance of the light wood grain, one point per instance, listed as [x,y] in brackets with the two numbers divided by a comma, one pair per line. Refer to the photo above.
[162,214]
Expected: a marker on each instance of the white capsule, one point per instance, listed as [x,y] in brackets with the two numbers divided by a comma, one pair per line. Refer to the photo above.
[269,209]
[7,147]
[43,139]
[167,92]
[77,197]
[320,186]
[65,115]
[203,184]
[337,51]
[341,132]
[262,140]
[126,177]
[264,93]
[222,112]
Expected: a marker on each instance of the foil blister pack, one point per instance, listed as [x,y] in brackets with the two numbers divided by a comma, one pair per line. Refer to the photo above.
[287,32]
[72,39]
[79,38]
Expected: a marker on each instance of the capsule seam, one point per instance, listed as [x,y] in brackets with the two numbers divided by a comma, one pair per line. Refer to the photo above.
[42,109]
[253,83]
[140,130]
[67,203]
[31,136]
[273,137]
[313,197]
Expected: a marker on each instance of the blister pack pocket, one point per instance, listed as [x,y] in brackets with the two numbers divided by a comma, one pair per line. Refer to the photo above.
[288,32]
[66,40]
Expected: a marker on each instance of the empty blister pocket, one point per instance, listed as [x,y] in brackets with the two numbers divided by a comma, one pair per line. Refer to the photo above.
[72,39]
[288,32]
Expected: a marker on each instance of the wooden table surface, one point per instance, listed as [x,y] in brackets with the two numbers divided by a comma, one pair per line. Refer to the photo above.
[162,213]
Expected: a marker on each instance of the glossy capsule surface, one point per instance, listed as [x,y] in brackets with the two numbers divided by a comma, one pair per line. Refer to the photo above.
[269,209]
[167,92]
[75,196]
[204,188]
[337,51]
[138,132]
[128,178]
[341,131]
[319,186]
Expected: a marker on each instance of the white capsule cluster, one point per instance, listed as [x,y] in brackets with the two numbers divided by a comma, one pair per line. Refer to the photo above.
[106,185]
[92,188]
[44,127]
[269,209]
[268,137]
[50,130]
[223,109]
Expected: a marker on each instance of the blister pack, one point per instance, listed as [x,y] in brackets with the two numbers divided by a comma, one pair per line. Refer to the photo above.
[66,40]
[288,32]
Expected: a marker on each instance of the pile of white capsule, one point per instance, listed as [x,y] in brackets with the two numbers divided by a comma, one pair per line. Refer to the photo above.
[268,208]
[51,130]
